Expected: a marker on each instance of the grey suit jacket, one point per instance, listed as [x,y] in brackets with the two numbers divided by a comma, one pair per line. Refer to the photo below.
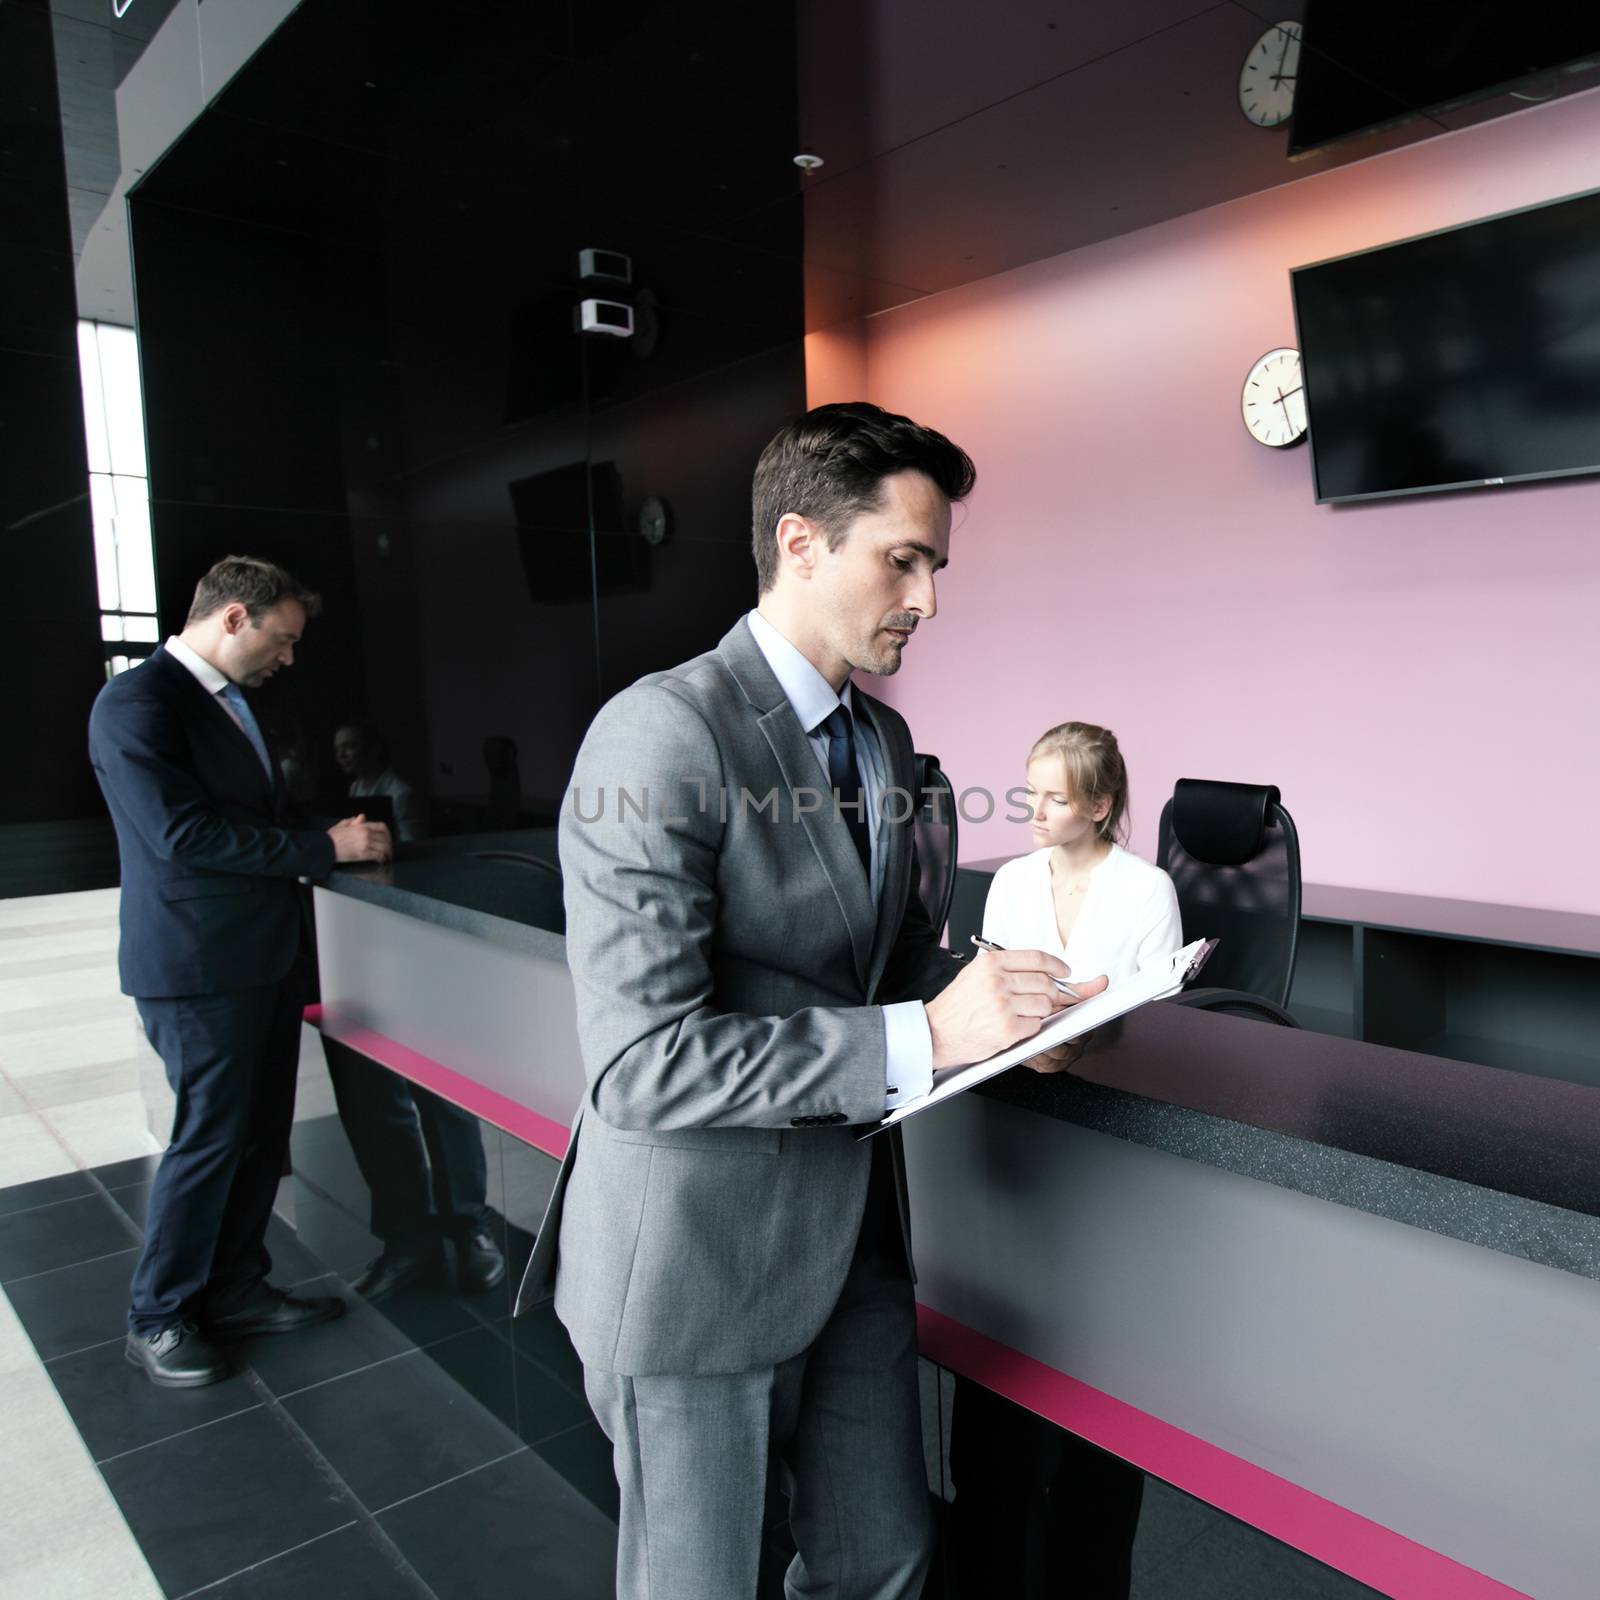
[727,959]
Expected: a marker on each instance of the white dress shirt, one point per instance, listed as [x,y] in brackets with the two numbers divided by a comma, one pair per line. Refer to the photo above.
[907,1038]
[212,679]
[1129,916]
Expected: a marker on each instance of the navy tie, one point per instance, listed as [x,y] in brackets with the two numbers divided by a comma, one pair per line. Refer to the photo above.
[844,777]
[246,718]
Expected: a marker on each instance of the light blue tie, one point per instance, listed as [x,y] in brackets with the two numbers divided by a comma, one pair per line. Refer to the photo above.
[234,695]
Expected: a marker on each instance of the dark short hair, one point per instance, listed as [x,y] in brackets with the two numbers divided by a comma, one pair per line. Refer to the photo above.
[255,584]
[829,466]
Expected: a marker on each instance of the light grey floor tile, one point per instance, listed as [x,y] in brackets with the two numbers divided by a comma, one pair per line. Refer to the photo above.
[114,1128]
[64,1536]
[23,969]
[71,1085]
[13,935]
[82,1043]
[41,910]
[28,1150]
[29,995]
[48,1016]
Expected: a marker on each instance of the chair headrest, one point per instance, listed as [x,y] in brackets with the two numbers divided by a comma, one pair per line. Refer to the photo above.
[1222,823]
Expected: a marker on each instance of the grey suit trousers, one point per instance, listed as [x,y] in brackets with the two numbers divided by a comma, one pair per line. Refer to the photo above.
[839,1425]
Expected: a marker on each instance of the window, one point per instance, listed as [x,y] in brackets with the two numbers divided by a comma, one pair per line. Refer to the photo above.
[119,492]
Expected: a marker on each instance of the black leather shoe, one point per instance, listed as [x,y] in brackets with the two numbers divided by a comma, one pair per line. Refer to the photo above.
[389,1273]
[179,1356]
[273,1310]
[479,1263]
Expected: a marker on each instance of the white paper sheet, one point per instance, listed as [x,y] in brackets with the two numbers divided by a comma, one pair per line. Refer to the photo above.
[1156,982]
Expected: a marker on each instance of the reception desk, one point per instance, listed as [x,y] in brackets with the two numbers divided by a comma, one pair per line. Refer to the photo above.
[1345,1292]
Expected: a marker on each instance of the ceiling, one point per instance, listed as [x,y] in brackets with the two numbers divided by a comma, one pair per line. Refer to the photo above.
[962,140]
[958,139]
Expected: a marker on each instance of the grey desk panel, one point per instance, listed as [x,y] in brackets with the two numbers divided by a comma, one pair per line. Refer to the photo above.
[501,1014]
[1447,1392]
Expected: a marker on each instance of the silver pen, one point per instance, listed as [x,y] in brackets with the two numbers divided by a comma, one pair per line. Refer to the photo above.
[1000,949]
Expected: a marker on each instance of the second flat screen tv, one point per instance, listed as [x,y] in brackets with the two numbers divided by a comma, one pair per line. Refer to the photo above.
[1458,359]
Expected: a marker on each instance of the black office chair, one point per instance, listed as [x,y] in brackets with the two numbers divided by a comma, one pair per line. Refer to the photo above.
[1234,856]
[933,824]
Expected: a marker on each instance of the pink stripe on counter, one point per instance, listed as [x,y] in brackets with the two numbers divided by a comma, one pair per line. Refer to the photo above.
[1367,1551]
[511,1115]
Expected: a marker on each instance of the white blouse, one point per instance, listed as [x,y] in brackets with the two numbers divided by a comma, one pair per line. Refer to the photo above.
[1129,916]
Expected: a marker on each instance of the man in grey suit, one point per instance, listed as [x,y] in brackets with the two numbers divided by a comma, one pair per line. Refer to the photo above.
[756,978]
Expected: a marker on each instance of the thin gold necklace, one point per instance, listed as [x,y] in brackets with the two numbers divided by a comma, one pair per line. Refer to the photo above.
[1072,889]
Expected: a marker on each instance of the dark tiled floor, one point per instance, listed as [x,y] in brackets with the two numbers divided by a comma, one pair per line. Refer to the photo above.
[25,1196]
[358,1339]
[428,1447]
[117,1411]
[269,1484]
[523,1522]
[223,1496]
[348,1564]
[582,1455]
[525,1397]
[74,1307]
[398,1428]
[61,1235]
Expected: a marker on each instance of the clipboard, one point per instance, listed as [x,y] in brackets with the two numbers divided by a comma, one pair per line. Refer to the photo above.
[1159,981]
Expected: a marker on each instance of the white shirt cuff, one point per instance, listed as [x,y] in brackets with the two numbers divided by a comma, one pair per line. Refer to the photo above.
[908,1051]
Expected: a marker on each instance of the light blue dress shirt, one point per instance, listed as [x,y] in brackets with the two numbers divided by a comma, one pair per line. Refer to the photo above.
[907,1039]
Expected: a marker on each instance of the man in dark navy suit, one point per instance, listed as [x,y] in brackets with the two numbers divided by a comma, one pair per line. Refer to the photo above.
[213,950]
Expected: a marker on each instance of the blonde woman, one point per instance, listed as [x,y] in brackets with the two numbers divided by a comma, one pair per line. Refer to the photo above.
[1081,895]
[1039,1511]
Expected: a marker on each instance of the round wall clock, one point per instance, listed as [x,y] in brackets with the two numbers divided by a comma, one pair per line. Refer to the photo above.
[1266,80]
[1273,403]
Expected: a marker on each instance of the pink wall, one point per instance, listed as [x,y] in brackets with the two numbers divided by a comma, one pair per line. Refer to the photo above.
[1418,676]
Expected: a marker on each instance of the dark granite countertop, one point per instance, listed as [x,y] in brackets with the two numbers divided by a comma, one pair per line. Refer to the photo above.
[1496,1158]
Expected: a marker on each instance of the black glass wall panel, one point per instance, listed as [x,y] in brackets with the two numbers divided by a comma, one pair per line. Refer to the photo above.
[357,281]
[50,658]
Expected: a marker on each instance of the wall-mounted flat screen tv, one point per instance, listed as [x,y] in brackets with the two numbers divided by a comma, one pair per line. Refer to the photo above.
[1458,359]
[1368,63]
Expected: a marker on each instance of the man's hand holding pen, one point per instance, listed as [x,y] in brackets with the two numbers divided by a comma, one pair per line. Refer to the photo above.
[999,999]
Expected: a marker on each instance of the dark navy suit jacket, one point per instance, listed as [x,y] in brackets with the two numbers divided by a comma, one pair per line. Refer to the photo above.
[210,900]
